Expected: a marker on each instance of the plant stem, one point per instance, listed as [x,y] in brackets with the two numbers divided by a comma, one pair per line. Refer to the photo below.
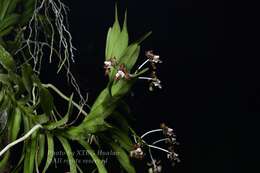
[152,131]
[142,64]
[160,140]
[36,127]
[159,148]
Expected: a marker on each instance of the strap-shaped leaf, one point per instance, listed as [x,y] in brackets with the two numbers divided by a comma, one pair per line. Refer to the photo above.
[4,8]
[64,120]
[30,155]
[9,21]
[4,161]
[27,73]
[16,120]
[122,138]
[7,7]
[67,148]
[12,6]
[130,56]
[46,99]
[6,31]
[98,162]
[121,42]
[40,149]
[123,158]
[6,60]
[50,153]
[112,37]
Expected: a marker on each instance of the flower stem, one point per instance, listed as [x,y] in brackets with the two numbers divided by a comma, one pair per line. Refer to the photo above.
[159,148]
[152,131]
[142,64]
[160,140]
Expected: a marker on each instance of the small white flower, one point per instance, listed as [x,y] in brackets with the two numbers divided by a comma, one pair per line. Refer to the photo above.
[155,167]
[156,59]
[155,83]
[120,74]
[137,153]
[108,64]
[152,57]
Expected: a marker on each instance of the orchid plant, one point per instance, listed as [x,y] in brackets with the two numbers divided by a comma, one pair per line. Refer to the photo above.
[36,31]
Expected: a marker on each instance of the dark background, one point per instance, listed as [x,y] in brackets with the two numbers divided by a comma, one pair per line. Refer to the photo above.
[210,75]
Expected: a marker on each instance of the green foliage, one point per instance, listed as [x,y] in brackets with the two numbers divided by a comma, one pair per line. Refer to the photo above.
[98,162]
[6,59]
[23,96]
[10,17]
[67,148]
[50,153]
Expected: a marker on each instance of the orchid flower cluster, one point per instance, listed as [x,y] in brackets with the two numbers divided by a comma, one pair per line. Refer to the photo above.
[29,116]
[169,138]
[123,73]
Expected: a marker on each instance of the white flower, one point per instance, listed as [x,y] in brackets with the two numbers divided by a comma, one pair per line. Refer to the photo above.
[152,57]
[155,83]
[155,167]
[108,64]
[120,74]
[137,153]
[156,59]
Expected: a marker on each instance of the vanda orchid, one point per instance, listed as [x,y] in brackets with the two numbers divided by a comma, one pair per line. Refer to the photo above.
[36,31]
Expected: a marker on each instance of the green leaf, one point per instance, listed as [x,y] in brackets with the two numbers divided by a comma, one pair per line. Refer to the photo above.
[4,7]
[46,99]
[121,87]
[16,120]
[122,41]
[119,121]
[41,119]
[12,6]
[30,155]
[18,81]
[67,148]
[103,97]
[27,73]
[112,36]
[9,21]
[130,56]
[123,158]
[64,120]
[6,31]
[5,79]
[50,153]
[122,138]
[96,159]
[41,148]
[4,161]
[6,60]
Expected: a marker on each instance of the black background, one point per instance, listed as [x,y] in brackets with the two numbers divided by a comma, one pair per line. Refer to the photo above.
[210,75]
